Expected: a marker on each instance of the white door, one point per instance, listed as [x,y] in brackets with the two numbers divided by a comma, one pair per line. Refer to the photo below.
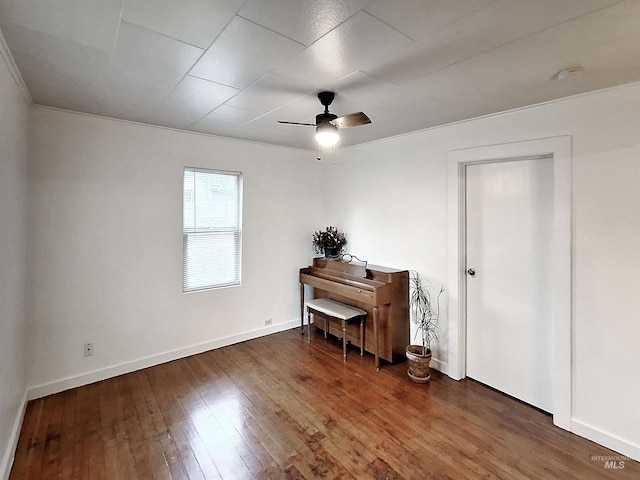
[509,226]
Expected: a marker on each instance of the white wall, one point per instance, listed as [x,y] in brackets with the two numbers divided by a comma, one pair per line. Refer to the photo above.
[13,200]
[105,250]
[390,197]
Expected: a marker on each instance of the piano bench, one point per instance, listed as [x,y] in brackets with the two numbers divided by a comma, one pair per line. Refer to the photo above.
[336,312]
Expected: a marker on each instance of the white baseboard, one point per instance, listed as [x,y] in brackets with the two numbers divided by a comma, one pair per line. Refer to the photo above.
[9,454]
[438,365]
[606,440]
[63,384]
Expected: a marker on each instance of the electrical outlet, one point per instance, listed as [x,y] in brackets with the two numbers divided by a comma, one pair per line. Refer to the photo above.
[88,349]
[267,322]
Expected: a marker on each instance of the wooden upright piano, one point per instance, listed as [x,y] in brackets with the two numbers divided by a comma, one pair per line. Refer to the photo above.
[382,292]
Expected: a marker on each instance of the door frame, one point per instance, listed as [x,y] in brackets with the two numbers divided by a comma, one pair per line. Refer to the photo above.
[559,148]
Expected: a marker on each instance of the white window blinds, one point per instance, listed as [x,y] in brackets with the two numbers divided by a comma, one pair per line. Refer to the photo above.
[212,230]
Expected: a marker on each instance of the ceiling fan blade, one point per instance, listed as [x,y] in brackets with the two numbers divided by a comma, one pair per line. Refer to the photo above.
[351,120]
[298,123]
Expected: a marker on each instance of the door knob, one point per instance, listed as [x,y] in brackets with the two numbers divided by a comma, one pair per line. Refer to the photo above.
[471,272]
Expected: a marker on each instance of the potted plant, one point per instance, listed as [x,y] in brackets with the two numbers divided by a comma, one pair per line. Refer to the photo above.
[425,313]
[329,241]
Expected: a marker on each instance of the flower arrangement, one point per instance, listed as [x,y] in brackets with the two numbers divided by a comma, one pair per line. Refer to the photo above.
[329,241]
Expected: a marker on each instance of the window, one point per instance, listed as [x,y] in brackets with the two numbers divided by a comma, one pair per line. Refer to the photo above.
[212,210]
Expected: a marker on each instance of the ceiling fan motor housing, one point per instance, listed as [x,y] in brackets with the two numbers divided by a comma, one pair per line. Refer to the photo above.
[325,118]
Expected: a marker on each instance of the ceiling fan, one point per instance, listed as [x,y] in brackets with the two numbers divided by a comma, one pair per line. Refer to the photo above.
[327,124]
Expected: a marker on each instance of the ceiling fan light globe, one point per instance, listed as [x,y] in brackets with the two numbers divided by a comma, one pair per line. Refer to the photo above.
[327,139]
[327,135]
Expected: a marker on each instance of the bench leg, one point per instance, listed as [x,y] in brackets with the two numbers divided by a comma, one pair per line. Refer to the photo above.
[308,326]
[344,340]
[361,336]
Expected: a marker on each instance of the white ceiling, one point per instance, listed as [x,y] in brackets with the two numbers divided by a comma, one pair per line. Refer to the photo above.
[234,67]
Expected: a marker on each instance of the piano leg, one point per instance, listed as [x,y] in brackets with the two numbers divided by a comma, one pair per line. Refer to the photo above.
[375,337]
[301,309]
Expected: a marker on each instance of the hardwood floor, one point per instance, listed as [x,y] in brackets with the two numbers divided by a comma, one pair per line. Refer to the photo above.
[277,407]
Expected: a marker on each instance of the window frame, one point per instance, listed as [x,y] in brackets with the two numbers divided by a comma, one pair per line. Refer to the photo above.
[188,233]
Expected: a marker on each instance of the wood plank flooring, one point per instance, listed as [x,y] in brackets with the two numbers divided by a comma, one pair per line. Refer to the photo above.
[279,408]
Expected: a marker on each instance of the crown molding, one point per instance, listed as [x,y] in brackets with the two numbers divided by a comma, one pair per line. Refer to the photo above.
[5,53]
